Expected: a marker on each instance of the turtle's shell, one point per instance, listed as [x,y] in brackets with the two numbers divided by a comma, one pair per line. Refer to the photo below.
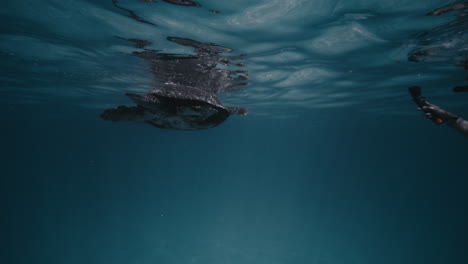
[182,108]
[188,93]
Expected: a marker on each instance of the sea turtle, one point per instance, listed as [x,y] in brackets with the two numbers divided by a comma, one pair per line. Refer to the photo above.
[174,107]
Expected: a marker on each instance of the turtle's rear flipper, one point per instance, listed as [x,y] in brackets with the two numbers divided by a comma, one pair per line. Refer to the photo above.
[123,113]
[238,111]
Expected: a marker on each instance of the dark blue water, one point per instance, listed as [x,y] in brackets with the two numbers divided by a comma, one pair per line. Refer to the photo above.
[332,165]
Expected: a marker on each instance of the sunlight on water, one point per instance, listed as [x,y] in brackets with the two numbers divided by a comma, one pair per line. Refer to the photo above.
[307,54]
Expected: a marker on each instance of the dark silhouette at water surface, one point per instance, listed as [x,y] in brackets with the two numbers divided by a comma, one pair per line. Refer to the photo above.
[185,96]
[176,2]
[132,14]
[446,42]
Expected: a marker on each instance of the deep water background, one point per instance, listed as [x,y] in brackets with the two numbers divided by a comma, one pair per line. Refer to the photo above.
[333,164]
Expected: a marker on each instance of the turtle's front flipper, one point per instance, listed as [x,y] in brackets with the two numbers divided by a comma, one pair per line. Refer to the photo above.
[238,111]
[124,113]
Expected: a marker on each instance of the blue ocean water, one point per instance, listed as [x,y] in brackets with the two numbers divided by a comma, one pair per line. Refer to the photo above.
[332,165]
